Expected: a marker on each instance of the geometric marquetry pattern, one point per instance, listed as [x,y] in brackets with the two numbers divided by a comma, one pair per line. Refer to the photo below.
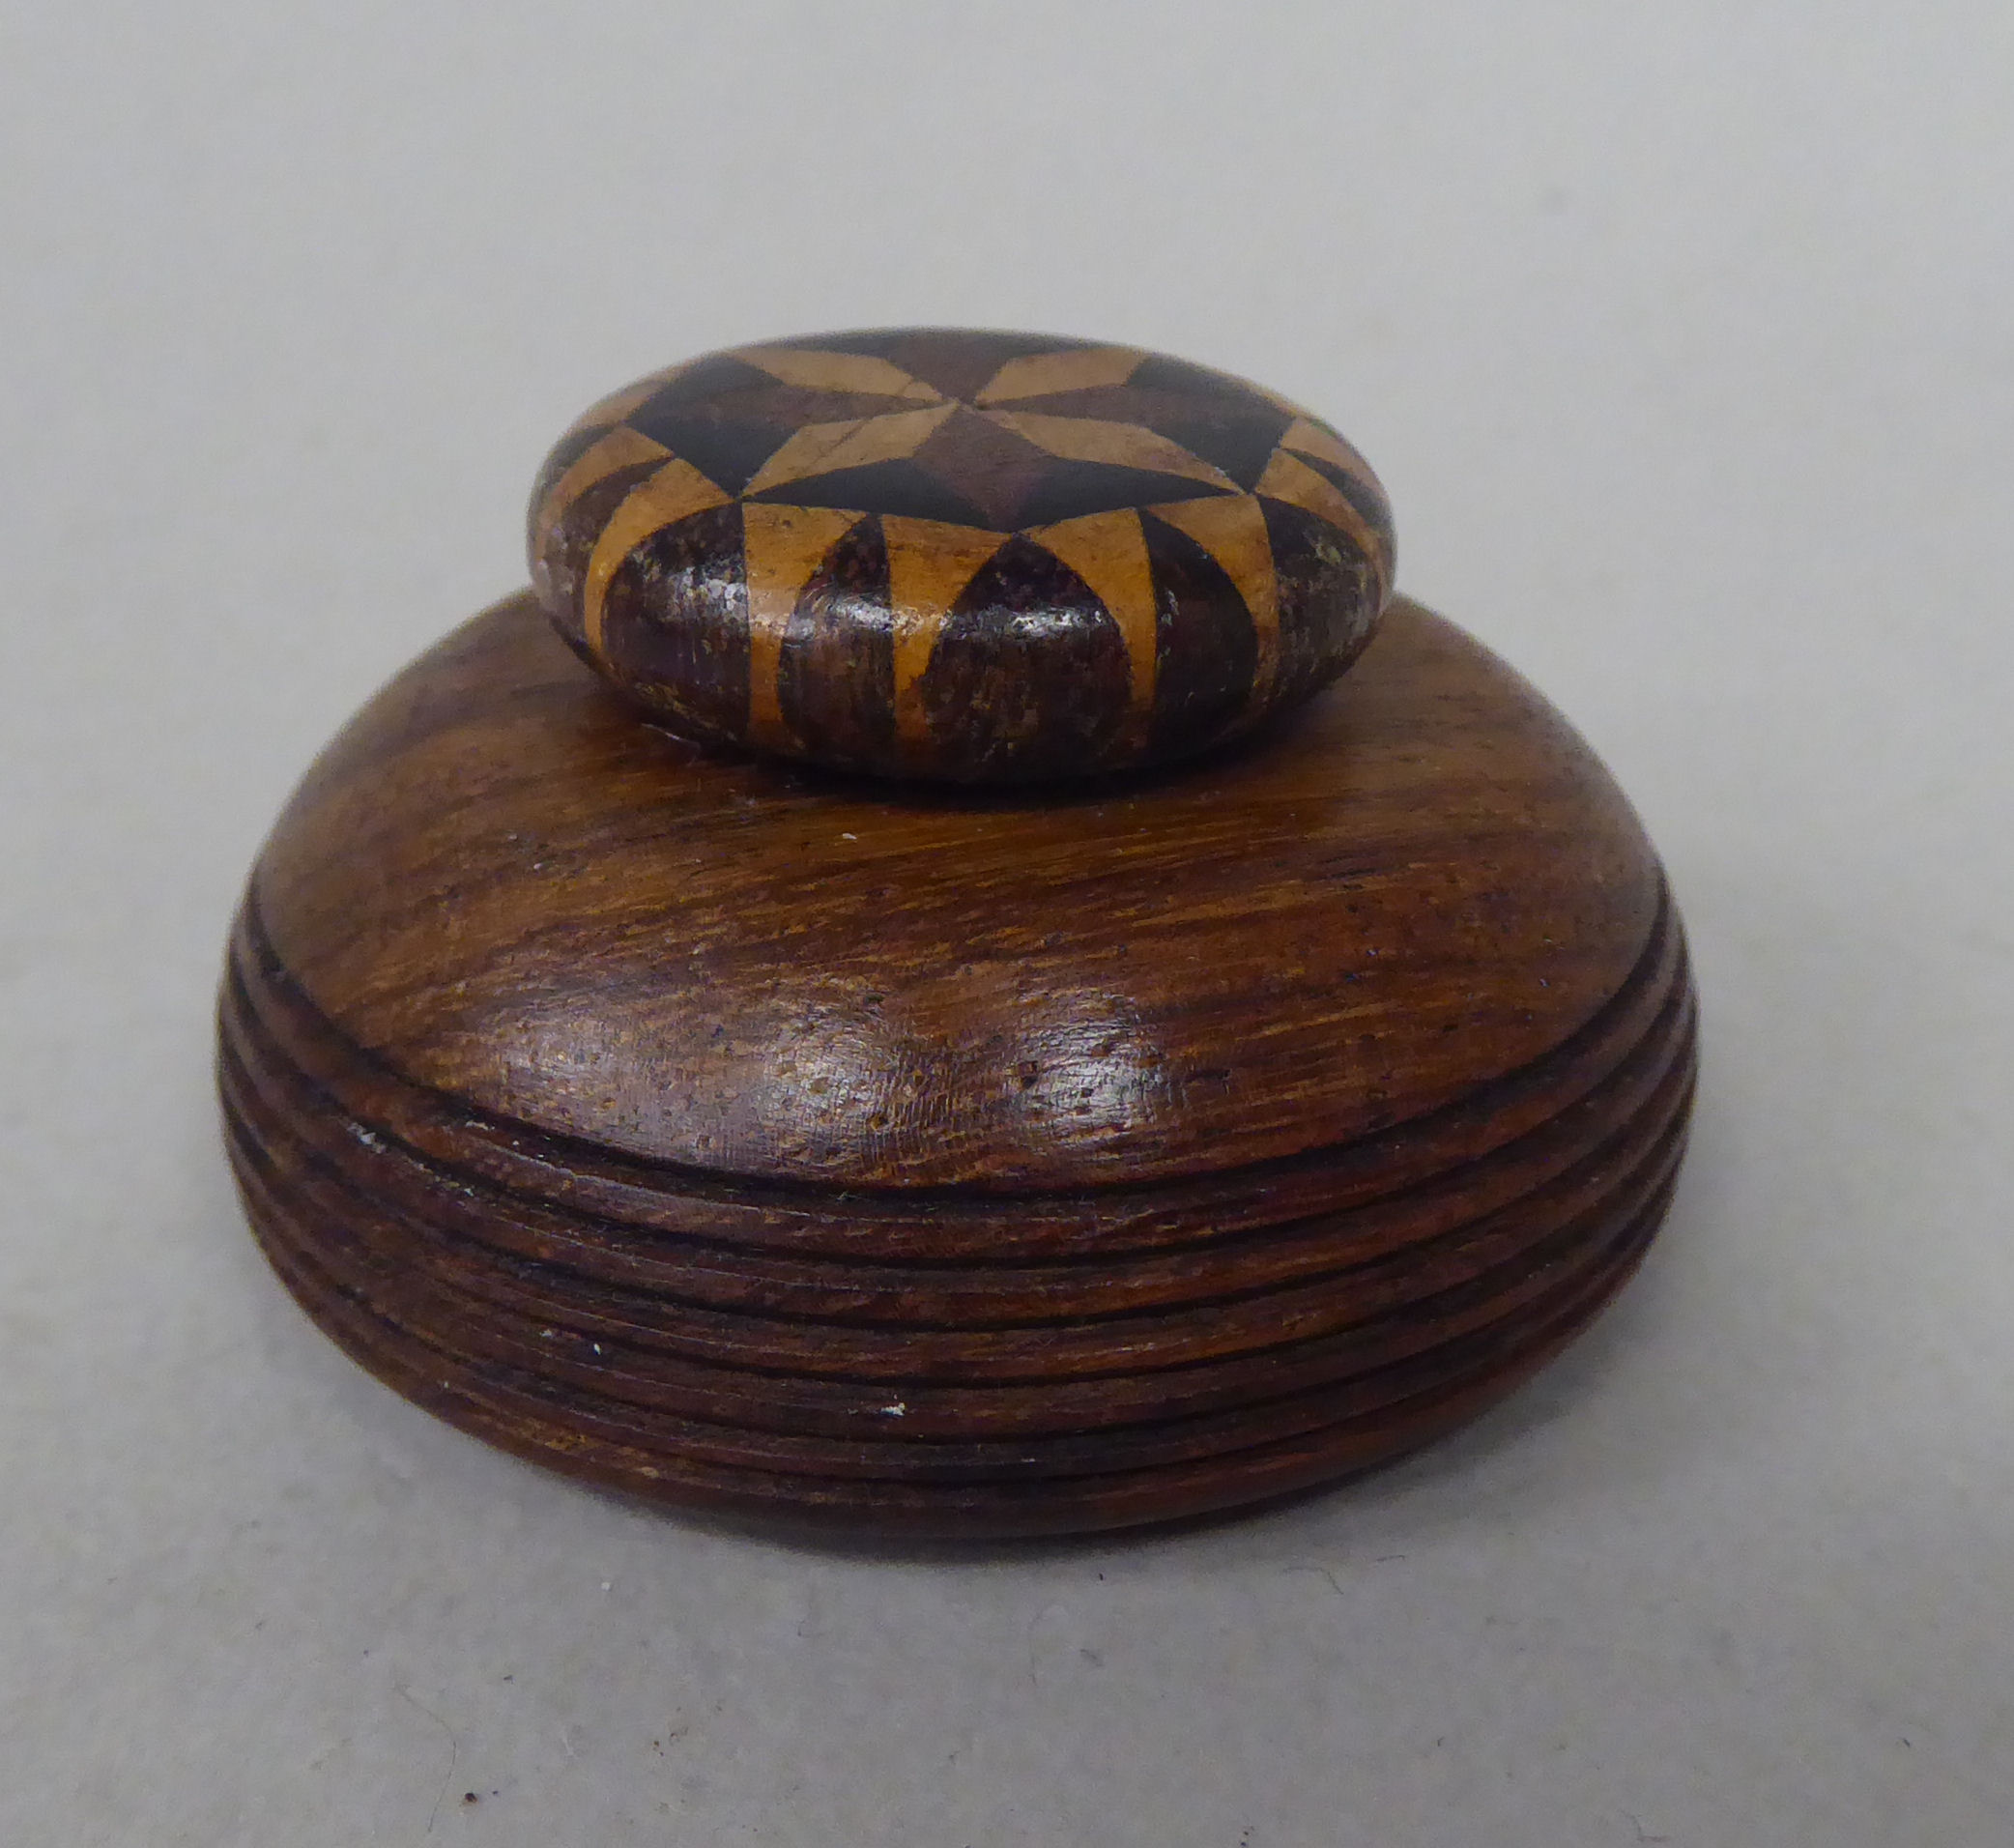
[987,557]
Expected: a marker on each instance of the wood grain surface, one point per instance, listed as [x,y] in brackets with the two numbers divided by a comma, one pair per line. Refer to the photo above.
[504,885]
[948,1163]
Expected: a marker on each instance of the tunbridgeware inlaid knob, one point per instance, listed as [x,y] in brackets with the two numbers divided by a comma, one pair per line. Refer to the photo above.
[913,1158]
[953,555]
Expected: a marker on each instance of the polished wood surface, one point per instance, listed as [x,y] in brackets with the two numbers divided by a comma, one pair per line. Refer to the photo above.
[957,555]
[515,893]
[949,1162]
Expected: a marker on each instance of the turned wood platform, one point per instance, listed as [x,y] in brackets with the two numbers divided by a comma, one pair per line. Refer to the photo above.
[955,1161]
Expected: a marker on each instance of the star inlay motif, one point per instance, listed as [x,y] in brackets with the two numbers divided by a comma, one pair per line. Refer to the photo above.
[953,443]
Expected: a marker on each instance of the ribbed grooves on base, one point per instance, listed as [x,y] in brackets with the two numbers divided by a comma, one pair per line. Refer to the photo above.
[955,1364]
[932,1226]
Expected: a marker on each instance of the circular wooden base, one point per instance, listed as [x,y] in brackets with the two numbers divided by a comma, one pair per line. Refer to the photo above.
[1027,1325]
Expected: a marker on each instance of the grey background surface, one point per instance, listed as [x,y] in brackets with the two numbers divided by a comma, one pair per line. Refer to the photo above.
[1682,338]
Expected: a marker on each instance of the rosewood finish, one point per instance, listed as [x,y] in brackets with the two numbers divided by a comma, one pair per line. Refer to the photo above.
[928,1158]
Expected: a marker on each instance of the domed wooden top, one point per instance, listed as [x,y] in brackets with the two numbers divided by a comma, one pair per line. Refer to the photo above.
[961,556]
[1416,885]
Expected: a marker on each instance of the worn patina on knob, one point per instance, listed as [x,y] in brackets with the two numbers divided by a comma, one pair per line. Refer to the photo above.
[941,554]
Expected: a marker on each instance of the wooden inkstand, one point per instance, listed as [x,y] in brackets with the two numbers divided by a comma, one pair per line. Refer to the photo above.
[902,985]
